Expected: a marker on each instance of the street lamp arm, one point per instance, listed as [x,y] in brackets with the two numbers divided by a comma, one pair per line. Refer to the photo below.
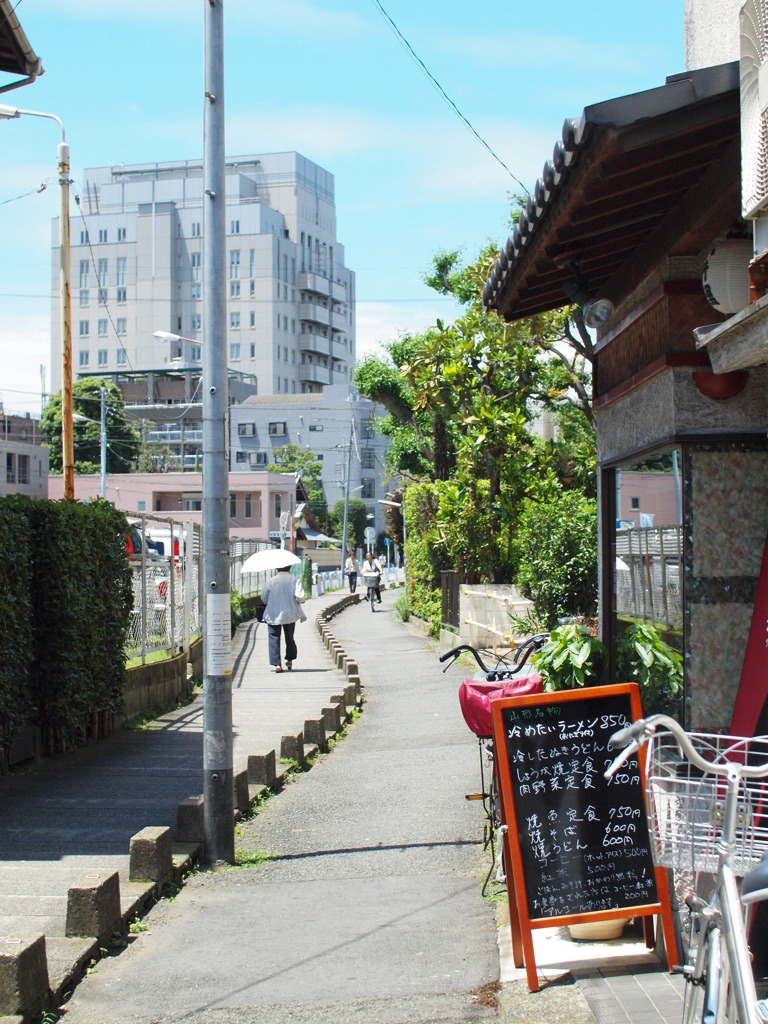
[9,113]
[169,337]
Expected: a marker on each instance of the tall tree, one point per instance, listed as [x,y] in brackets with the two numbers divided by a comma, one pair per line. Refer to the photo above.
[122,440]
[289,458]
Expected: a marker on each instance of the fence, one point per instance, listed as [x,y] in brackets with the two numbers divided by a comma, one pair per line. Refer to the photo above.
[486,612]
[649,573]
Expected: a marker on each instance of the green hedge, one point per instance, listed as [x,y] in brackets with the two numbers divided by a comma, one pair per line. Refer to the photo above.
[72,601]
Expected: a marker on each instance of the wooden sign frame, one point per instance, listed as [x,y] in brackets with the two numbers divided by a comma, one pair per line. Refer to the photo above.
[551,714]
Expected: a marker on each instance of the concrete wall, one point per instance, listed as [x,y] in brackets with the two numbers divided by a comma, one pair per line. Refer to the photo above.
[711,32]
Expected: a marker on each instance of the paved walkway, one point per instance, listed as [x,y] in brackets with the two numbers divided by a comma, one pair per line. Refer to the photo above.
[369,842]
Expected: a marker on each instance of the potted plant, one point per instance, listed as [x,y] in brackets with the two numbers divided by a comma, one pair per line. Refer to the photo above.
[571,658]
[642,655]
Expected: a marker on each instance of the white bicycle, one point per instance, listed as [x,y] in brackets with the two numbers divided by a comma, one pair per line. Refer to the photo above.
[708,817]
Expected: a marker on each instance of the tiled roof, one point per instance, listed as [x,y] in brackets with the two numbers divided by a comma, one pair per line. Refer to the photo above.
[16,55]
[617,176]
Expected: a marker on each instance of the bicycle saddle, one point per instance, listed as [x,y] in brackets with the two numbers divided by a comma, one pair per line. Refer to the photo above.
[754,885]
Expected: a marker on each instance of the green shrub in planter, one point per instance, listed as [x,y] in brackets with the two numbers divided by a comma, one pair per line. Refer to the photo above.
[571,658]
[642,655]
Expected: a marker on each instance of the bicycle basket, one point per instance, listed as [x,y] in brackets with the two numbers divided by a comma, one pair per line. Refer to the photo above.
[685,805]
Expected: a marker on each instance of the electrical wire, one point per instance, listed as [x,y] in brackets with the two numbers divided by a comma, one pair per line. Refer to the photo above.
[33,191]
[423,67]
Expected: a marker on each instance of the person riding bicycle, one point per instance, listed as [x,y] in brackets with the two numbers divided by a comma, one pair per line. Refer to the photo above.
[372,571]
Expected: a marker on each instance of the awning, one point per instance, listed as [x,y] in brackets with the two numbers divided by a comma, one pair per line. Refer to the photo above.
[626,186]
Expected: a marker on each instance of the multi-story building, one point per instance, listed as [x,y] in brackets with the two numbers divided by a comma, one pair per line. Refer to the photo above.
[136,268]
[25,458]
[325,424]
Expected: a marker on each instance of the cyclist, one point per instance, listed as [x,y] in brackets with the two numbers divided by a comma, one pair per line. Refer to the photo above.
[372,568]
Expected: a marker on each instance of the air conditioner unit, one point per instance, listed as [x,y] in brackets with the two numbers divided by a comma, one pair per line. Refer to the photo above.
[753,30]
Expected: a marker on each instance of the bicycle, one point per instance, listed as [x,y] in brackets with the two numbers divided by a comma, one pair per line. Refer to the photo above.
[372,593]
[475,699]
[708,817]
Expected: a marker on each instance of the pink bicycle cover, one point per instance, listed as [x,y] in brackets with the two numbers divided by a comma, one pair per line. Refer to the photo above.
[475,696]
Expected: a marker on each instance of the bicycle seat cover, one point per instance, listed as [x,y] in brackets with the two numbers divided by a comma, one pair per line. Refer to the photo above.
[475,696]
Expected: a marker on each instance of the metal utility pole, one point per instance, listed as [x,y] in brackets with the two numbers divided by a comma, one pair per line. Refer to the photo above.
[346,499]
[219,824]
[103,442]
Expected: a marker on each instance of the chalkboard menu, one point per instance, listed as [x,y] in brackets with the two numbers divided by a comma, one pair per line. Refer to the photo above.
[577,844]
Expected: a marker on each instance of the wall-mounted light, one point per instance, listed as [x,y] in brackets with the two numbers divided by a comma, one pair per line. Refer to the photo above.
[596,312]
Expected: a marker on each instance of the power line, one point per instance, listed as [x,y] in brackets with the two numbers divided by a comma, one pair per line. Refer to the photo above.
[443,93]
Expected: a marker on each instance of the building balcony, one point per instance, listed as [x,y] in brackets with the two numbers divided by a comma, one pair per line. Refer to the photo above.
[309,282]
[315,343]
[313,374]
[339,321]
[313,312]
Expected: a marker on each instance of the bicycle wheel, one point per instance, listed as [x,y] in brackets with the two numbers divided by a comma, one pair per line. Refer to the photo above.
[707,992]
[372,598]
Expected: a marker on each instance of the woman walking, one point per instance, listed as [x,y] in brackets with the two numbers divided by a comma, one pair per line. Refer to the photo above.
[281,614]
[352,568]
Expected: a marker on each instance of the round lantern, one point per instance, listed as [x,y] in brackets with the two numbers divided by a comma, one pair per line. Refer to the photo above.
[726,275]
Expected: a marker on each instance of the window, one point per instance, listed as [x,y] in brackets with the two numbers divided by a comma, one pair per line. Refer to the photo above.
[369,488]
[103,272]
[234,227]
[121,234]
[247,505]
[196,353]
[234,350]
[83,328]
[84,238]
[192,502]
[122,296]
[232,505]
[277,429]
[122,325]
[258,458]
[315,426]
[102,296]
[103,328]
[103,357]
[196,264]
[252,318]
[241,456]
[10,468]
[122,266]
[634,503]
[196,321]
[122,357]
[83,296]
[83,357]
[246,429]
[195,290]
[366,430]
[196,229]
[234,289]
[278,504]
[22,469]
[234,264]
[234,321]
[252,350]
[102,234]
[368,458]
[253,288]
[141,505]
[84,268]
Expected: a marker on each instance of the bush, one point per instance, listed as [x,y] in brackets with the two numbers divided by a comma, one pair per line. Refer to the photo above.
[642,655]
[571,658]
[426,556]
[556,556]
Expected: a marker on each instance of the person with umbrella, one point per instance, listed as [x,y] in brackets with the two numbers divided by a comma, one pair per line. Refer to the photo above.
[282,608]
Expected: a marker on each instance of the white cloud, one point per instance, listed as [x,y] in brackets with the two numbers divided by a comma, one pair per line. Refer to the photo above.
[25,343]
[381,322]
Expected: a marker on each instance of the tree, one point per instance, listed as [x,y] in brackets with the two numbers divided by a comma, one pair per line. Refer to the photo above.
[122,440]
[289,458]
[357,520]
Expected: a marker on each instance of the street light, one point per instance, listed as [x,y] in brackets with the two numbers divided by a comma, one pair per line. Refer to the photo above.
[400,505]
[67,441]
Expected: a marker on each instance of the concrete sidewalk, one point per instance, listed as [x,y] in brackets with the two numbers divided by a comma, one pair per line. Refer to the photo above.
[73,817]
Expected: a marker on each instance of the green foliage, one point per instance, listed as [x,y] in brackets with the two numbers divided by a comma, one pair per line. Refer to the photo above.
[16,635]
[403,607]
[237,606]
[642,655]
[356,521]
[556,555]
[306,576]
[426,555]
[571,658]
[123,443]
[81,603]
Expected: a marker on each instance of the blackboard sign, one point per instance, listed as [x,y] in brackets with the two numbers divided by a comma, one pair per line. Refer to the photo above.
[578,844]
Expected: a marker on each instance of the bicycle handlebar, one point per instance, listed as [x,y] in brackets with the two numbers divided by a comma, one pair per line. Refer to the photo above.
[633,736]
[456,651]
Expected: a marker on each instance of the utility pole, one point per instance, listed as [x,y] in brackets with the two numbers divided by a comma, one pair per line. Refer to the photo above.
[218,814]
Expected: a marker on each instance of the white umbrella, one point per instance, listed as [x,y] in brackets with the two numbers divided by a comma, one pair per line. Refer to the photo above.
[269,558]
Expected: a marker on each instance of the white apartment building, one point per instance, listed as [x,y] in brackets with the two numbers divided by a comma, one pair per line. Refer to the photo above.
[136,268]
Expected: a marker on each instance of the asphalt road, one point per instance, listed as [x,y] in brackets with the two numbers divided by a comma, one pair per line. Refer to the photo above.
[368,907]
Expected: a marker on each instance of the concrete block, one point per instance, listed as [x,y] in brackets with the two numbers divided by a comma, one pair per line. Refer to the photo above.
[261,769]
[241,795]
[292,747]
[23,975]
[332,718]
[151,855]
[93,906]
[350,695]
[351,667]
[190,826]
[315,732]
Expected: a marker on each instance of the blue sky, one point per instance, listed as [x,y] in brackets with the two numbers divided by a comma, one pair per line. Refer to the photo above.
[330,79]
